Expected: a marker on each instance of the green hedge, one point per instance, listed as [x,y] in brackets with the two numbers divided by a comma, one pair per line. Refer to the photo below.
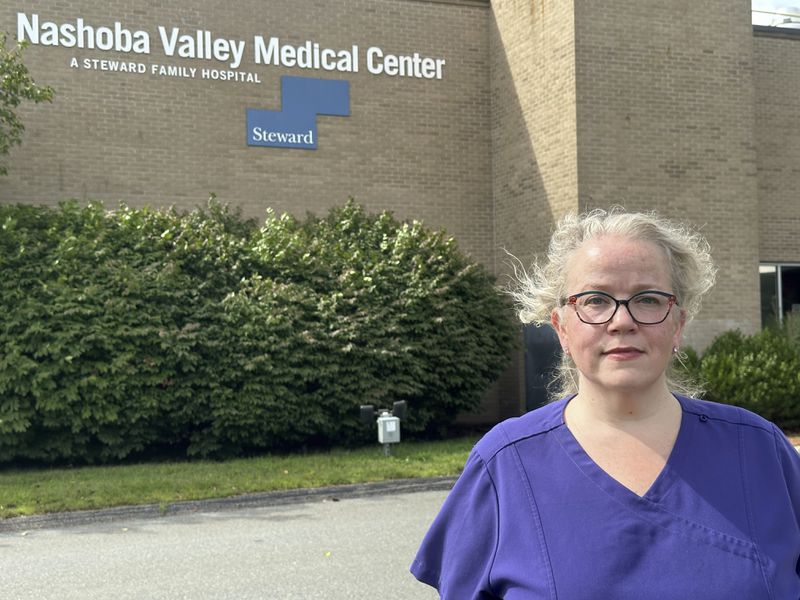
[136,328]
[759,372]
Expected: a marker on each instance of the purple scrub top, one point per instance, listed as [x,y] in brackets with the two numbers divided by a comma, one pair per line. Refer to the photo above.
[532,516]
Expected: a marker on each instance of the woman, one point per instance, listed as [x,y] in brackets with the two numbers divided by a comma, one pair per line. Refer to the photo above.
[623,489]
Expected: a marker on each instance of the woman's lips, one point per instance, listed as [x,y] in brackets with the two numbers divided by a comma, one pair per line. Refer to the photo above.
[623,353]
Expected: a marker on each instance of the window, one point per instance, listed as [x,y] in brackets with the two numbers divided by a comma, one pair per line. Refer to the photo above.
[780,292]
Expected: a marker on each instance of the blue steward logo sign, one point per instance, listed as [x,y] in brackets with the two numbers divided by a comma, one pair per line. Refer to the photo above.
[295,125]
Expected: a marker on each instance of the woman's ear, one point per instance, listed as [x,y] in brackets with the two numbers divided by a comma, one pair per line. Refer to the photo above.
[555,321]
[676,338]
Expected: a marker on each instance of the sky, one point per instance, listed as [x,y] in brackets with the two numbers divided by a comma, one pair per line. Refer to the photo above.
[773,5]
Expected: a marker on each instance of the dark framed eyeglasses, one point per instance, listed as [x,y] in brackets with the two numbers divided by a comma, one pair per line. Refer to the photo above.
[649,307]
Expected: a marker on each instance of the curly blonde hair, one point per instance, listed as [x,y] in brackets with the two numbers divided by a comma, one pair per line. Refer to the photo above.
[540,291]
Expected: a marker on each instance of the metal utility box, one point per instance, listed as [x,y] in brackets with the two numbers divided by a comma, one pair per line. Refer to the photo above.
[388,429]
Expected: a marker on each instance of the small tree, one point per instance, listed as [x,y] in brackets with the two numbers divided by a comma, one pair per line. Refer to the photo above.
[16,85]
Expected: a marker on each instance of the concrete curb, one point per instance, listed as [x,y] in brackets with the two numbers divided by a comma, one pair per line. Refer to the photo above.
[148,511]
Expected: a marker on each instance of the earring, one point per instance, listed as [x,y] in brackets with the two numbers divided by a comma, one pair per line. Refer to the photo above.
[674,349]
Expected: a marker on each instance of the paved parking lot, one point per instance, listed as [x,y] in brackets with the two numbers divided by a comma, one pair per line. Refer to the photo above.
[356,547]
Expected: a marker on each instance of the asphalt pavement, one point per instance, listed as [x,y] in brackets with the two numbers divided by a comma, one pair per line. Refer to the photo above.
[338,543]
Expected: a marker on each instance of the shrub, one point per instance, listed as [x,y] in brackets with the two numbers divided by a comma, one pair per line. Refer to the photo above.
[354,309]
[759,372]
[104,305]
[791,328]
[140,327]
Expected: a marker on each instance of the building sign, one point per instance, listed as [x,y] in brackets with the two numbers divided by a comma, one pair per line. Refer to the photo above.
[222,56]
[295,125]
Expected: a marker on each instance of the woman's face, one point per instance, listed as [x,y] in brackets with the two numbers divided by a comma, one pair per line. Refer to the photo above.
[620,356]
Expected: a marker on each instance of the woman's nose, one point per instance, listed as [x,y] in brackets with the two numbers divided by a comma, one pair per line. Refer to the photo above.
[622,318]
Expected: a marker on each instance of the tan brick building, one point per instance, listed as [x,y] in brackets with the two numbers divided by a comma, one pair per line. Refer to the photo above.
[489,119]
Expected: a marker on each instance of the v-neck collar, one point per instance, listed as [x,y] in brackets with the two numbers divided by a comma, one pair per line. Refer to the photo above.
[660,486]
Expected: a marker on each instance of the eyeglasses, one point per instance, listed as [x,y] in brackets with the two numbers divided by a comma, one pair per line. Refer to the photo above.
[649,307]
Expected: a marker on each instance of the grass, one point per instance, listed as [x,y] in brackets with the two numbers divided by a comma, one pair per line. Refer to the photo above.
[46,490]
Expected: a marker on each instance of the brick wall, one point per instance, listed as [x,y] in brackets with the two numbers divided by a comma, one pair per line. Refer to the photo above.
[777,85]
[533,122]
[420,147]
[534,165]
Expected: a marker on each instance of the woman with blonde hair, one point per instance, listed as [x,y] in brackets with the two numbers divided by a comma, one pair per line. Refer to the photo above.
[624,488]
